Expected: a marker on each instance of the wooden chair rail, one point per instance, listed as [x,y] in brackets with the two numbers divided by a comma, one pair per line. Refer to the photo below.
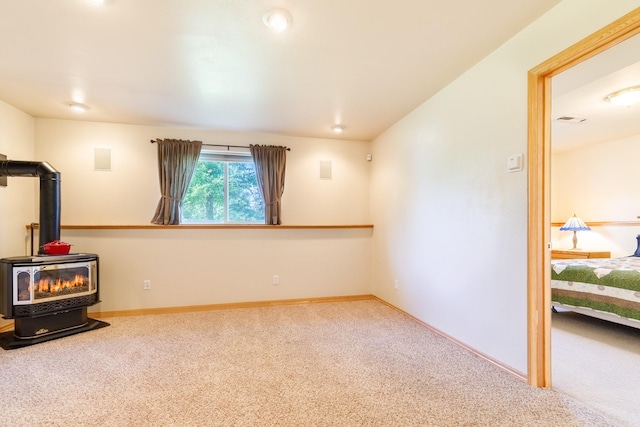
[600,223]
[201,226]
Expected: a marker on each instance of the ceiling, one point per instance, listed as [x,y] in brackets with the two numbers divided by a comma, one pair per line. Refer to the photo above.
[213,63]
[581,91]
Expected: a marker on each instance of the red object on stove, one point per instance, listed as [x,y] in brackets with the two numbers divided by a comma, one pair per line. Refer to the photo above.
[56,247]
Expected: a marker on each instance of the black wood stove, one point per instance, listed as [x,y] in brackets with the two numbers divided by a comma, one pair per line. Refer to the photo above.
[46,295]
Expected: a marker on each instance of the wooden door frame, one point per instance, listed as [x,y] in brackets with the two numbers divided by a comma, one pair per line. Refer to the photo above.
[539,155]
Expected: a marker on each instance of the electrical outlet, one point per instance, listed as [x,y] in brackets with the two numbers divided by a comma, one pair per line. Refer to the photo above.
[147,284]
[276,279]
[395,283]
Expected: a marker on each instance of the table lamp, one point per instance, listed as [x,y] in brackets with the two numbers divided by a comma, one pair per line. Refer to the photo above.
[575,224]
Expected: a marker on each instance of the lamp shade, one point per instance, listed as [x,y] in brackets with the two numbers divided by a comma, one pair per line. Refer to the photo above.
[575,224]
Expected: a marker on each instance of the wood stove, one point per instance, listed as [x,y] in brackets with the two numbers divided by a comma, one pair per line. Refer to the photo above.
[46,295]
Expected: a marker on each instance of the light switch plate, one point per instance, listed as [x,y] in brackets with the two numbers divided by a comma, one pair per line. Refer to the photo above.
[515,163]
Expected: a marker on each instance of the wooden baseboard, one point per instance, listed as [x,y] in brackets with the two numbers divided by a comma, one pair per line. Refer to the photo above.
[520,375]
[7,327]
[225,306]
[210,307]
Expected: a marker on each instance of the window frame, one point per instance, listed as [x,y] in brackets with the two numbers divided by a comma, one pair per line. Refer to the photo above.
[225,157]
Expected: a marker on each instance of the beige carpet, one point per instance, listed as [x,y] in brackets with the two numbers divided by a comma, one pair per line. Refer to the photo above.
[326,364]
[598,363]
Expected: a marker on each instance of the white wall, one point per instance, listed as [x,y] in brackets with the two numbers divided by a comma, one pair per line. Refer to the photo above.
[598,183]
[212,266]
[129,193]
[451,222]
[18,198]
[201,267]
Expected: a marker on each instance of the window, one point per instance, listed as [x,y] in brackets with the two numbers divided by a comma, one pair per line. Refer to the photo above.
[223,190]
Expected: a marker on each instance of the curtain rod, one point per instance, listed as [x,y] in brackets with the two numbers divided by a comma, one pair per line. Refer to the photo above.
[153,141]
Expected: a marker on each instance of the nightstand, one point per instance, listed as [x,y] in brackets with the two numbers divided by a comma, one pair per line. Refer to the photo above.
[566,254]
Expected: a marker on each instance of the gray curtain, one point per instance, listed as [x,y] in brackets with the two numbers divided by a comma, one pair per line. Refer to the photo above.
[177,160]
[270,162]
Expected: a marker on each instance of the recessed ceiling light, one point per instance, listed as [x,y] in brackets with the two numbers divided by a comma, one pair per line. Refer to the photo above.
[338,128]
[77,107]
[625,97]
[277,19]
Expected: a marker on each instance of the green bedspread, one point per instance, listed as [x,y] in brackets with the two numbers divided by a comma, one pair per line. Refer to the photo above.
[607,285]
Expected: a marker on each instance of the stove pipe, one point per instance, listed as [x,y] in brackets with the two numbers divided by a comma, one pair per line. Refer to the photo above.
[49,194]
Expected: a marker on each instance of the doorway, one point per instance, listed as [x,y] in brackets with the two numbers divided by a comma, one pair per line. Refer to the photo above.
[539,153]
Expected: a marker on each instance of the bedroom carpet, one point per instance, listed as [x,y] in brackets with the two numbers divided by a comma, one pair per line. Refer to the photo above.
[598,363]
[326,364]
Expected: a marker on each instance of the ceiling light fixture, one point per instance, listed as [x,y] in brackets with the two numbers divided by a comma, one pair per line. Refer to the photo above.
[338,128]
[77,107]
[277,19]
[625,97]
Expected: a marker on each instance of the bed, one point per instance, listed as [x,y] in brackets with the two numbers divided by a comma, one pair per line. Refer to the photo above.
[606,288]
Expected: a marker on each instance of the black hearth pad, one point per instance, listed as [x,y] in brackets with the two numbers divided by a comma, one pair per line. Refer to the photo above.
[8,341]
